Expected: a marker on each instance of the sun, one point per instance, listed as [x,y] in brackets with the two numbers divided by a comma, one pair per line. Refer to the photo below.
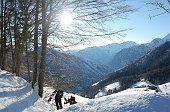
[66,19]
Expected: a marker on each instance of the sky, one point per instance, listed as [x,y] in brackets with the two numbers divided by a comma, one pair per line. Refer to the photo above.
[144,29]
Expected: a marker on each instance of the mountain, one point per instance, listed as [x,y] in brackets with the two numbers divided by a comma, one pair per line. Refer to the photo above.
[71,73]
[128,55]
[153,66]
[103,54]
[118,55]
[77,70]
[167,37]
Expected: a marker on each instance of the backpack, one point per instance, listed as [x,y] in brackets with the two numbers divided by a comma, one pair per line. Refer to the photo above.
[60,92]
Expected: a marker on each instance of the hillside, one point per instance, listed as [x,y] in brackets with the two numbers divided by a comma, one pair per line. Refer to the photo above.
[71,73]
[154,66]
[118,55]
[131,100]
[81,69]
[134,99]
[129,55]
[16,95]
[102,55]
[85,67]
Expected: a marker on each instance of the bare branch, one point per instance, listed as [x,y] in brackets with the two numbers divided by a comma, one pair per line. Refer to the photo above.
[159,5]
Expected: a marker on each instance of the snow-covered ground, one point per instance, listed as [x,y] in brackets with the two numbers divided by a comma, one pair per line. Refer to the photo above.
[131,100]
[165,89]
[48,92]
[114,86]
[142,83]
[16,95]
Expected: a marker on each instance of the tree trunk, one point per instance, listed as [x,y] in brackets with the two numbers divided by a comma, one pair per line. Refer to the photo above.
[17,54]
[16,34]
[34,77]
[11,44]
[4,61]
[28,64]
[43,53]
[1,48]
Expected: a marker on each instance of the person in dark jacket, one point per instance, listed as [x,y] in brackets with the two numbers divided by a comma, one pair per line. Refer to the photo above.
[71,100]
[58,97]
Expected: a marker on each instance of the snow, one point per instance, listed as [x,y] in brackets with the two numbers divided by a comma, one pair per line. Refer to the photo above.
[165,88]
[112,86]
[131,100]
[104,92]
[48,91]
[101,93]
[95,83]
[142,83]
[167,37]
[16,95]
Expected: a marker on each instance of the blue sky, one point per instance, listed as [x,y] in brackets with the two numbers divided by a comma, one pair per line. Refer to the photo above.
[144,28]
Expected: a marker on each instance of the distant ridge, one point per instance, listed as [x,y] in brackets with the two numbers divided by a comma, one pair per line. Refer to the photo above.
[153,66]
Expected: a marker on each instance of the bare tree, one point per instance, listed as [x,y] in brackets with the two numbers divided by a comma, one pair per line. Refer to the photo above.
[160,7]
[90,19]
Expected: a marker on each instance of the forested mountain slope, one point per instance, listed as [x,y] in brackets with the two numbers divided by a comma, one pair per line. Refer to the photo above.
[71,73]
[154,66]
[129,55]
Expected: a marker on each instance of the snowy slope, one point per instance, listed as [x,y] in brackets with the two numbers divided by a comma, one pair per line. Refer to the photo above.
[16,95]
[165,88]
[167,37]
[162,89]
[142,83]
[112,86]
[48,93]
[131,100]
[105,91]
